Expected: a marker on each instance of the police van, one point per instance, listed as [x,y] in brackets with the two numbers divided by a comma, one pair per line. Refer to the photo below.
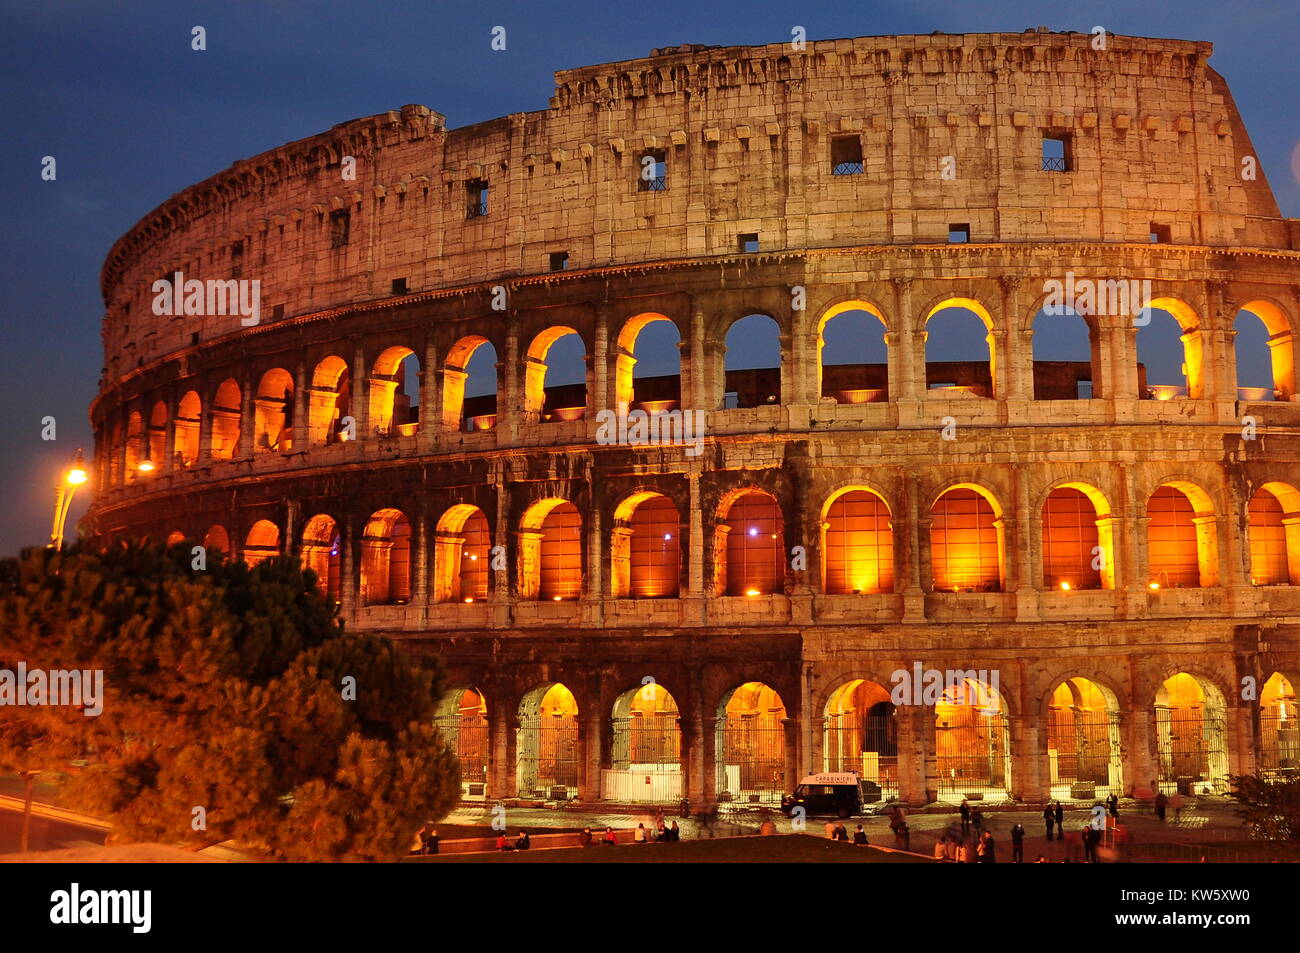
[835,793]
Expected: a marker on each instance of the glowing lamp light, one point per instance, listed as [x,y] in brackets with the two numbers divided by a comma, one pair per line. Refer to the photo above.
[146,466]
[1065,587]
[76,476]
[557,599]
[469,599]
[473,559]
[753,531]
[752,592]
[1153,585]
[668,535]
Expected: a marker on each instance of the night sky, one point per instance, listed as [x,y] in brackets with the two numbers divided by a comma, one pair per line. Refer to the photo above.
[132,116]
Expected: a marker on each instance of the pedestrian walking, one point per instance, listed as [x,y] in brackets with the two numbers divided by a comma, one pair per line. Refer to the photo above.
[964,811]
[1049,818]
[1059,812]
[1112,805]
[986,849]
[1018,844]
[977,821]
[1161,803]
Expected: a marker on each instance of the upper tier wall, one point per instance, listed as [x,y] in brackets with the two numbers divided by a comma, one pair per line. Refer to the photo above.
[747,132]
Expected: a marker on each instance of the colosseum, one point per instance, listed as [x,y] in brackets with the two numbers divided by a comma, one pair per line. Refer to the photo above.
[696,574]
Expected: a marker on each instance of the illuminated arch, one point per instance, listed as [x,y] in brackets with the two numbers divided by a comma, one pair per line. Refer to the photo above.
[226,412]
[860,733]
[860,383]
[330,399]
[386,559]
[1281,346]
[1182,537]
[949,375]
[455,373]
[462,554]
[1083,741]
[546,743]
[1274,535]
[189,414]
[393,411]
[535,373]
[262,542]
[550,551]
[1060,377]
[157,441]
[273,412]
[646,755]
[751,746]
[972,740]
[322,549]
[857,542]
[967,544]
[216,538]
[1191,735]
[461,718]
[1279,727]
[645,547]
[1193,347]
[749,545]
[135,444]
[625,355]
[1076,521]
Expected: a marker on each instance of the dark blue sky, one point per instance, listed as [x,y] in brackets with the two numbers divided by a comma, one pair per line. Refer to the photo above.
[132,116]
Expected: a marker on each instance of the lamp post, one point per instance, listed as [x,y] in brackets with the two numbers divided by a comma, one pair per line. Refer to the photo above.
[75,476]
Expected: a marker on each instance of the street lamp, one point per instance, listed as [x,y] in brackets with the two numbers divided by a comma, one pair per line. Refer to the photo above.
[75,476]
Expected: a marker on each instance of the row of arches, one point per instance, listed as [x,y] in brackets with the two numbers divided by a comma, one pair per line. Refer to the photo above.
[970,752]
[966,540]
[855,358]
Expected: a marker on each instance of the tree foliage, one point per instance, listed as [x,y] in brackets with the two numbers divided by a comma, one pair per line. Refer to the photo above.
[224,691]
[1270,806]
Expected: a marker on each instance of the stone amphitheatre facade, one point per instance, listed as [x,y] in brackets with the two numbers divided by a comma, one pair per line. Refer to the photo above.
[1113,566]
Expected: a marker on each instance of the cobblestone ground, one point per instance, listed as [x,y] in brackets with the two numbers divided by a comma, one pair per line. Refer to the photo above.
[1209,820]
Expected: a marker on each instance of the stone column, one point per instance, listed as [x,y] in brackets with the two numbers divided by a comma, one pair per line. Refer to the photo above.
[349,565]
[909,539]
[790,763]
[912,724]
[510,398]
[168,462]
[504,721]
[1020,539]
[360,373]
[205,428]
[591,754]
[910,385]
[1029,781]
[247,422]
[700,366]
[430,397]
[420,564]
[598,376]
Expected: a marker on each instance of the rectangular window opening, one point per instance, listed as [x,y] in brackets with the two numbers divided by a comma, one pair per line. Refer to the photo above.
[652,171]
[476,192]
[748,243]
[846,155]
[1056,154]
[559,260]
[958,233]
[340,223]
[399,286]
[1159,234]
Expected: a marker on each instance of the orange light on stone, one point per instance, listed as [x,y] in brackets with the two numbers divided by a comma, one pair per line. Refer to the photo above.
[570,413]
[469,598]
[557,598]
[1065,587]
[653,407]
[1153,585]
[752,592]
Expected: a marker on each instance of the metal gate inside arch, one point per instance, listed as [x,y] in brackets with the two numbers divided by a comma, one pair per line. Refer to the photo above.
[646,756]
[547,744]
[750,746]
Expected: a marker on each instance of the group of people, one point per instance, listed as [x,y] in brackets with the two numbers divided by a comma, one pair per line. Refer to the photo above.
[836,831]
[980,848]
[426,840]
[522,842]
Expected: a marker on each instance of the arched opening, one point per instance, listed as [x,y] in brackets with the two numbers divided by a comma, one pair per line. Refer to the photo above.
[750,745]
[225,420]
[386,559]
[966,545]
[189,412]
[322,553]
[1181,538]
[645,550]
[330,400]
[262,542]
[115,461]
[469,385]
[1083,742]
[1191,736]
[273,413]
[550,552]
[646,757]
[1078,539]
[749,551]
[135,445]
[1066,355]
[546,747]
[955,329]
[852,357]
[158,436]
[395,393]
[216,538]
[1265,350]
[752,363]
[555,376]
[857,544]
[860,733]
[462,554]
[1279,728]
[1274,535]
[972,742]
[648,364]
[1169,351]
[462,720]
